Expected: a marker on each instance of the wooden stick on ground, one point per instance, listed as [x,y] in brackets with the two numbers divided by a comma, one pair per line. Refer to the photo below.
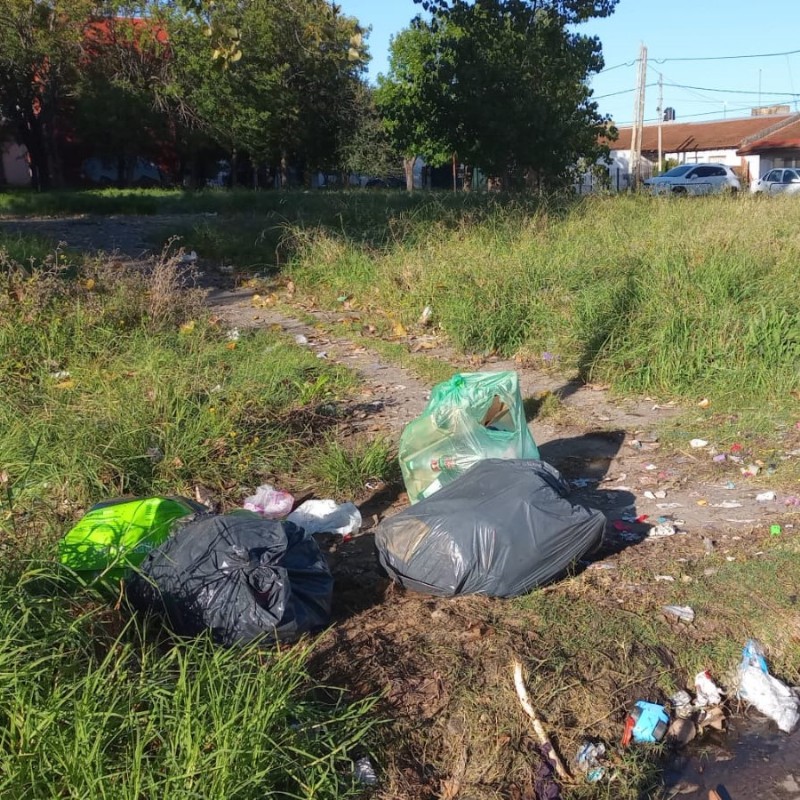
[525,700]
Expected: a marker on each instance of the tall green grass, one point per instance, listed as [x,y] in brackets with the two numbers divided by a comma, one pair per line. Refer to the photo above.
[95,706]
[681,299]
[113,381]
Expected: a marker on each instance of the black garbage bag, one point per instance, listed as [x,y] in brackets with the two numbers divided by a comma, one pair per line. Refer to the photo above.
[500,529]
[238,575]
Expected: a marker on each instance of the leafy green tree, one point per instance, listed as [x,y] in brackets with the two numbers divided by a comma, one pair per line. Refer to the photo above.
[291,95]
[369,150]
[504,83]
[414,99]
[40,55]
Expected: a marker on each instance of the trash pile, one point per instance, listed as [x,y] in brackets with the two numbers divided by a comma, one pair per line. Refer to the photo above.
[689,713]
[244,576]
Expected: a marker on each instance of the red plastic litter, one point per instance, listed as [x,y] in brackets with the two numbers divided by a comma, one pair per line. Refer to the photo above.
[736,448]
[622,526]
[642,518]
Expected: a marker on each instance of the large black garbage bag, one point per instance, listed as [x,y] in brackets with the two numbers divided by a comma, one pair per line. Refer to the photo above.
[239,575]
[500,529]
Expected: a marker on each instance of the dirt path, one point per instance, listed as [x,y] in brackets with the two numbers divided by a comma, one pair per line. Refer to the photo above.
[612,445]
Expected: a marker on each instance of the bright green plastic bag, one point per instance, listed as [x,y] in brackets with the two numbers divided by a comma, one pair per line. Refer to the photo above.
[113,536]
[468,418]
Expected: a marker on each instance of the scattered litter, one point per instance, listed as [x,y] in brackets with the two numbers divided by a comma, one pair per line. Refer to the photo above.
[708,544]
[326,516]
[792,501]
[666,578]
[698,443]
[666,506]
[61,375]
[711,718]
[679,613]
[681,703]
[635,444]
[233,335]
[646,722]
[719,458]
[682,731]
[727,504]
[651,467]
[730,485]
[188,258]
[708,693]
[300,339]
[661,531]
[774,530]
[736,448]
[649,495]
[587,760]
[322,354]
[768,694]
[766,497]
[704,403]
[364,772]
[425,316]
[702,502]
[751,471]
[269,502]
[660,494]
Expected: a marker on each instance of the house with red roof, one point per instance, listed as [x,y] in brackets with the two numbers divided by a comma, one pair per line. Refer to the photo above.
[751,146]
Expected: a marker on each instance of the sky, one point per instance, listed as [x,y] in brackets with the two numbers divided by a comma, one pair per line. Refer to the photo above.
[726,30]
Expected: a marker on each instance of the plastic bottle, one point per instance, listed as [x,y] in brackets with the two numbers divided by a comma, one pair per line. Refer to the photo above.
[457,464]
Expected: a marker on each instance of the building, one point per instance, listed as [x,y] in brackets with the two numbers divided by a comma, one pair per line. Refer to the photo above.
[750,145]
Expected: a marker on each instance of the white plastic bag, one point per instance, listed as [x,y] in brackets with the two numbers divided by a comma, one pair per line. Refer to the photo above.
[325,516]
[769,695]
[269,502]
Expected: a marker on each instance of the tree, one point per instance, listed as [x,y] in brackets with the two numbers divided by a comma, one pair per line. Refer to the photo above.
[504,84]
[40,50]
[414,100]
[369,150]
[290,96]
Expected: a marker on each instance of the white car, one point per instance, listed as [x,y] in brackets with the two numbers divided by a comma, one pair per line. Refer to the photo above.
[778,181]
[695,179]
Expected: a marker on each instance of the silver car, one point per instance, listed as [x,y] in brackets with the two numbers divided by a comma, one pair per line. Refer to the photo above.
[695,179]
[778,181]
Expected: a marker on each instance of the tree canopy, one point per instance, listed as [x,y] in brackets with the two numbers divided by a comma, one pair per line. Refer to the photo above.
[502,83]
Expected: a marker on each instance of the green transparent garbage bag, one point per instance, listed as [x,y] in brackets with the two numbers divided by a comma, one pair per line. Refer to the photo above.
[116,535]
[468,418]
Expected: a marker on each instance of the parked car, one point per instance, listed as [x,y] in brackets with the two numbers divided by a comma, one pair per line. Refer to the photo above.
[695,179]
[104,171]
[778,181]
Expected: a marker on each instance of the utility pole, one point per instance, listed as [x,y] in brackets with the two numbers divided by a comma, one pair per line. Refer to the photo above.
[638,120]
[660,117]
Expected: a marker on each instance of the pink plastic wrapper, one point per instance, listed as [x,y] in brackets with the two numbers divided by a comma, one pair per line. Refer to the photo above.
[269,502]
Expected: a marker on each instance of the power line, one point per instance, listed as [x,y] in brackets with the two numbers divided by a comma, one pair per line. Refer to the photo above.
[688,119]
[700,58]
[731,91]
[623,91]
[727,58]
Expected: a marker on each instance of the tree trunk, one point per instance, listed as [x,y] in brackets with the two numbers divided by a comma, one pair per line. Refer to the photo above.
[30,133]
[284,169]
[234,167]
[408,169]
[467,178]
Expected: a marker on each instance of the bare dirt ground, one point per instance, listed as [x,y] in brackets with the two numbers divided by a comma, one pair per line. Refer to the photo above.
[390,642]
